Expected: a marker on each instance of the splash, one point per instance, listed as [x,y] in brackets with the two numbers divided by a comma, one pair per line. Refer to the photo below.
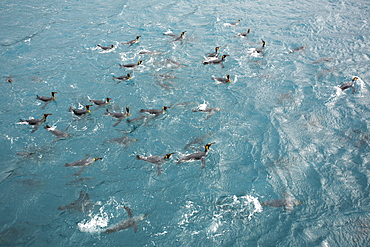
[238,206]
[96,223]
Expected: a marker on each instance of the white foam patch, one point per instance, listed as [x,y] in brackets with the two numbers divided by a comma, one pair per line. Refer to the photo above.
[168,32]
[252,52]
[96,223]
[239,206]
[334,97]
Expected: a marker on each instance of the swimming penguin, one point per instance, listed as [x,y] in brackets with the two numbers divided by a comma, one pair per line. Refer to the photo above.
[180,38]
[232,24]
[80,112]
[118,115]
[197,156]
[204,108]
[169,62]
[101,102]
[9,79]
[132,42]
[58,133]
[105,48]
[288,202]
[47,100]
[131,65]
[82,204]
[324,59]
[158,160]
[260,50]
[124,140]
[349,84]
[243,34]
[122,78]
[155,112]
[216,61]
[35,122]
[222,80]
[82,163]
[300,48]
[196,141]
[131,222]
[214,54]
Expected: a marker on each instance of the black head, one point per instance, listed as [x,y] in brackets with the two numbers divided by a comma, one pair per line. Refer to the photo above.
[52,93]
[355,78]
[217,48]
[208,145]
[46,115]
[128,111]
[139,62]
[167,156]
[248,31]
[165,107]
[137,37]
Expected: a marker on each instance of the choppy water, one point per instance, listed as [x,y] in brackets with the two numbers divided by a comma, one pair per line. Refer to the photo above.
[283,132]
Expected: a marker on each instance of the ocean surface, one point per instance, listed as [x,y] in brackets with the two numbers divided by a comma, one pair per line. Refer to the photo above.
[290,161]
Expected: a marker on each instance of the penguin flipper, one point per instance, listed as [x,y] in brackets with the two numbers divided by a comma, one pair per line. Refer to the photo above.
[80,171]
[129,212]
[34,129]
[46,103]
[203,161]
[119,120]
[159,167]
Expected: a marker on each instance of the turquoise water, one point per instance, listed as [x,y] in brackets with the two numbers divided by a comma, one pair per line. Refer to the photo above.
[284,131]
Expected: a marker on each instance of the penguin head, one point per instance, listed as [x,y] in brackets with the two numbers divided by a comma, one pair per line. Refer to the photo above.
[167,156]
[108,99]
[139,62]
[217,48]
[128,111]
[137,37]
[88,108]
[248,31]
[46,115]
[52,93]
[165,107]
[95,159]
[209,144]
[355,78]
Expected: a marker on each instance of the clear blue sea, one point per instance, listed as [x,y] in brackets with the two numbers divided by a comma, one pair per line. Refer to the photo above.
[290,161]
